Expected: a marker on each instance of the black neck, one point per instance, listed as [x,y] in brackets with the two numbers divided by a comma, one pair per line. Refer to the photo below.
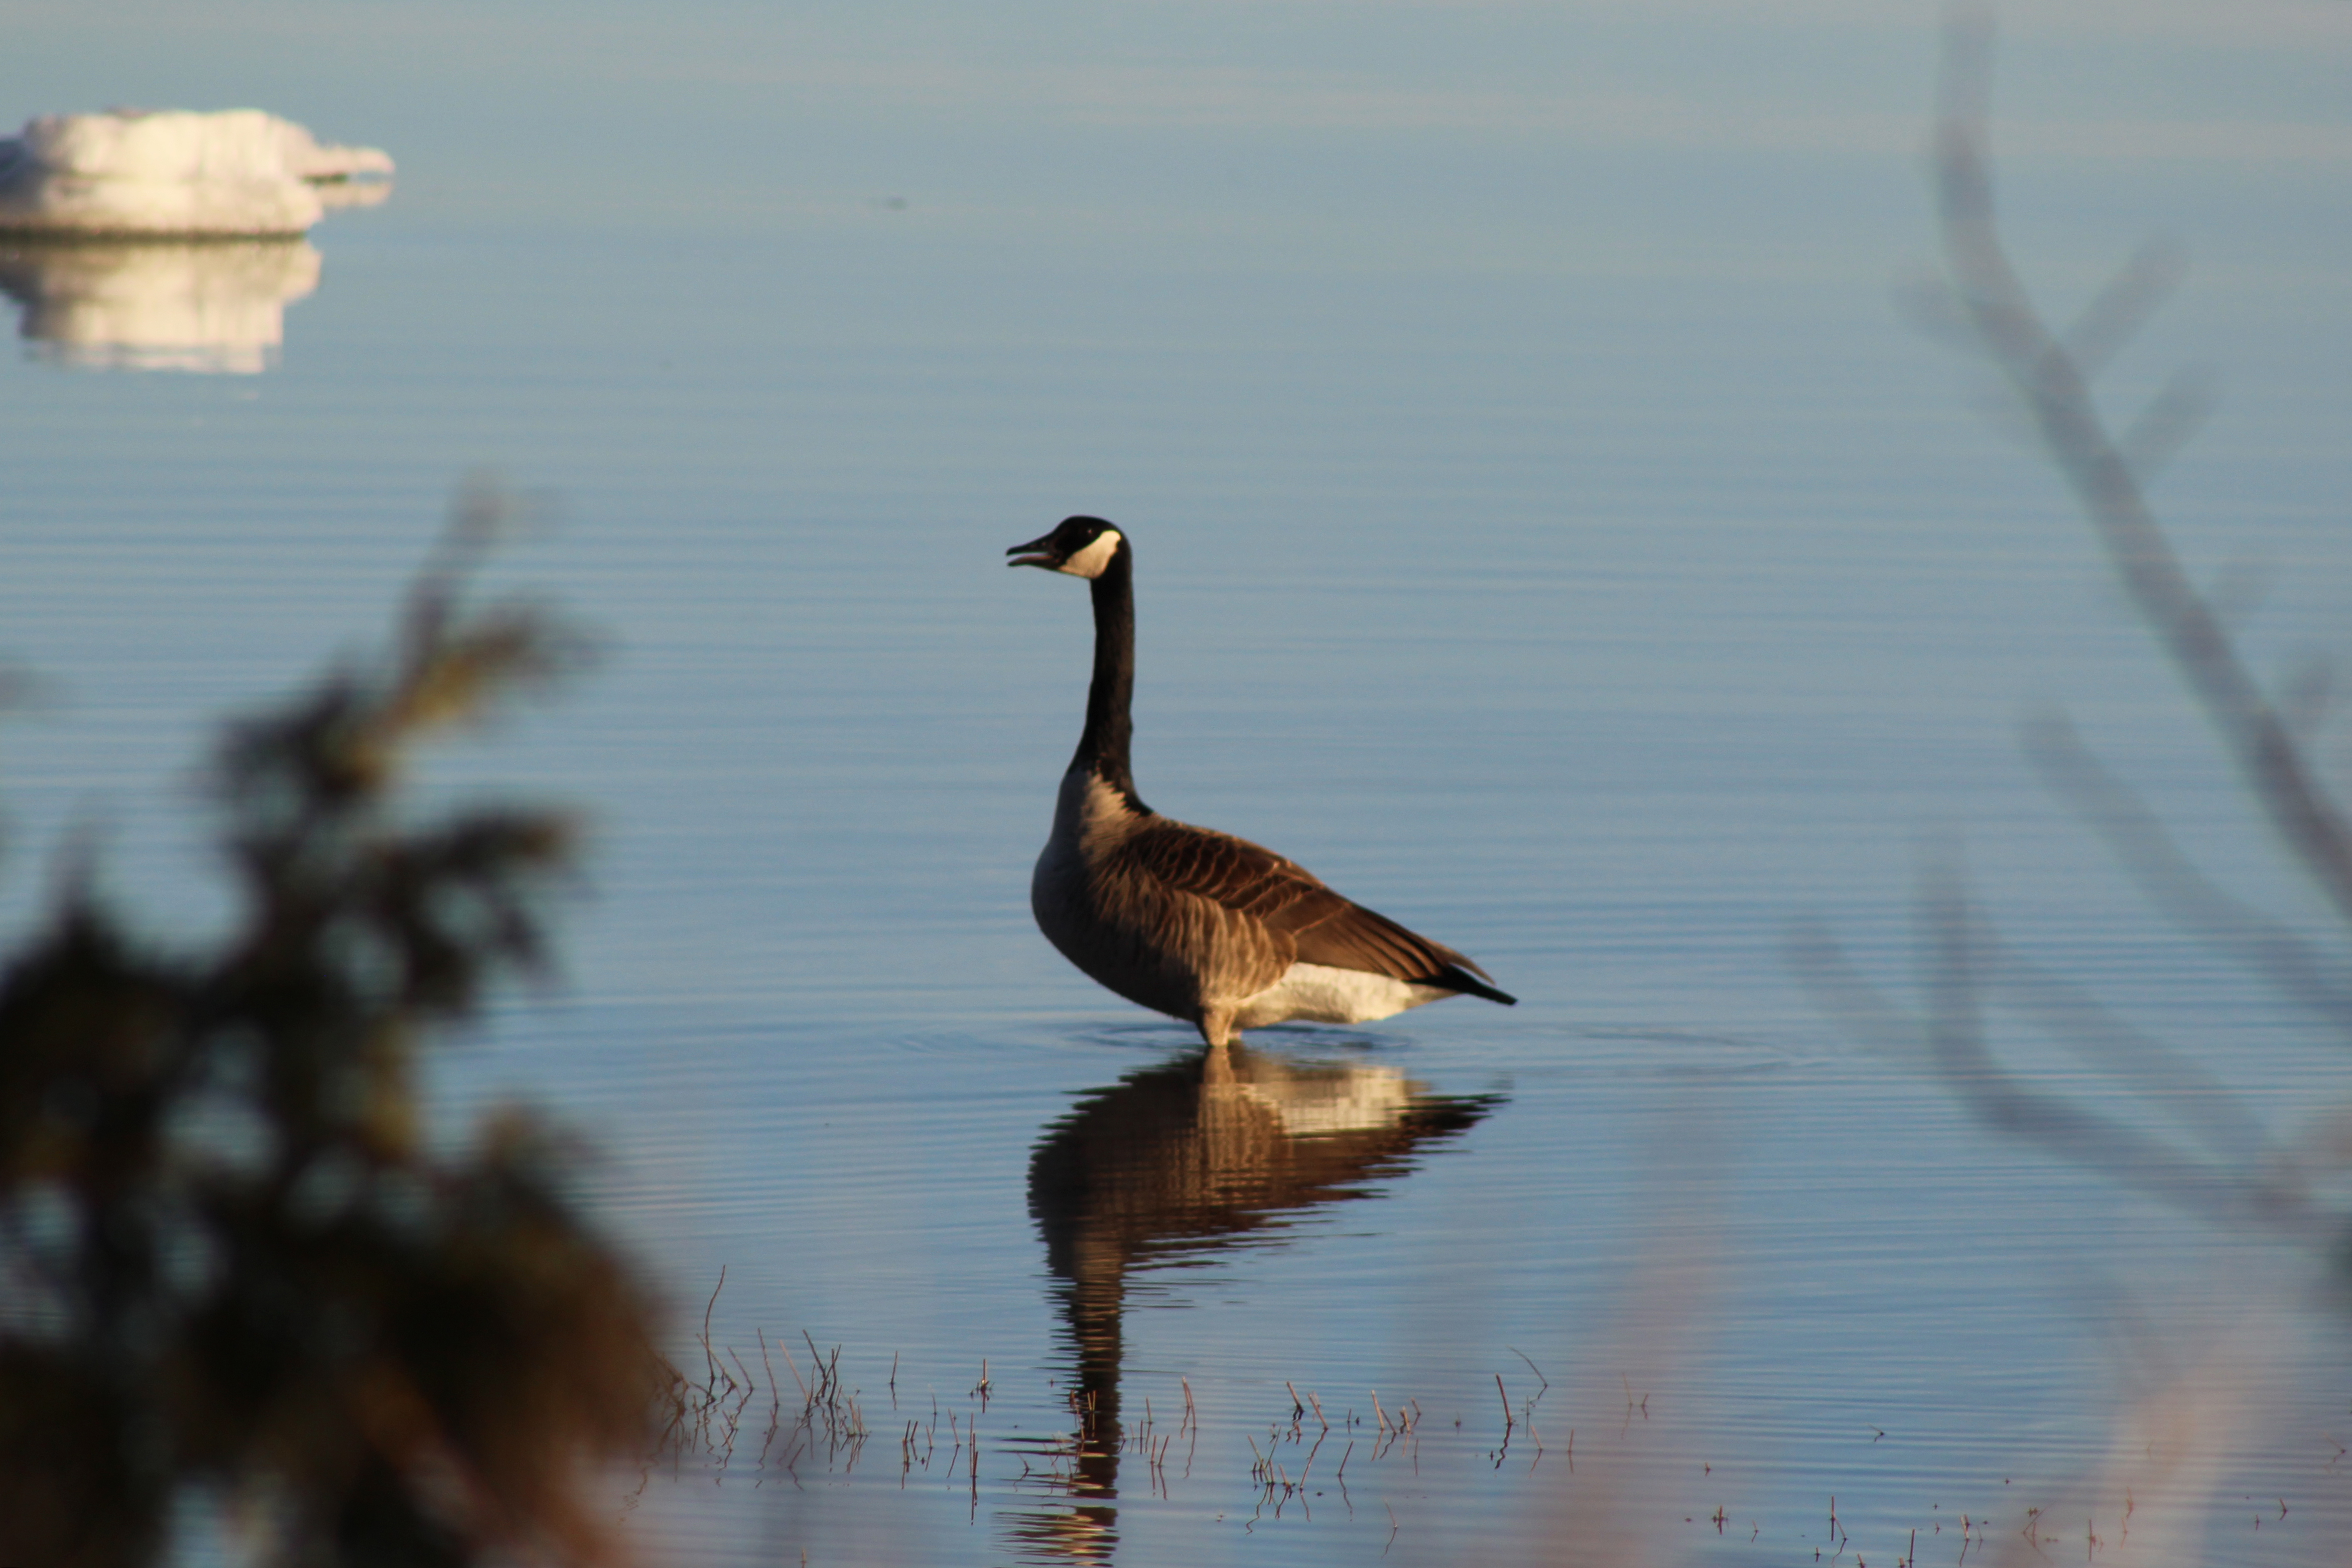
[1102,745]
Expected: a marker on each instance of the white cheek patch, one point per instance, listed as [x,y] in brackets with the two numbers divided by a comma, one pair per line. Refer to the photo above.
[1090,562]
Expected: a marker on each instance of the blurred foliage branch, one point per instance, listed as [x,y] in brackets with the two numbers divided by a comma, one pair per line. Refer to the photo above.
[231,1263]
[2175,1131]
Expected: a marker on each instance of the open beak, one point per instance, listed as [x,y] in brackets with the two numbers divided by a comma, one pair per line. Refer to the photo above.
[1038,552]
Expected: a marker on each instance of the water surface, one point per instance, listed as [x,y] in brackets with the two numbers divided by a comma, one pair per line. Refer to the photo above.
[1547,531]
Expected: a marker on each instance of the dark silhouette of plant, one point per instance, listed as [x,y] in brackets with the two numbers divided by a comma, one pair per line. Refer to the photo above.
[231,1259]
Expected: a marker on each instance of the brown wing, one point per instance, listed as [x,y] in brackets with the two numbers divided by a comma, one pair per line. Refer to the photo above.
[1286,898]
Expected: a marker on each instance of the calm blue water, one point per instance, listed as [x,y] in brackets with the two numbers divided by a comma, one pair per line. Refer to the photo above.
[1547,531]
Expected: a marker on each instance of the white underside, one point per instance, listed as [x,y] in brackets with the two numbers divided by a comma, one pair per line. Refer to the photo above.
[1320,995]
[1308,1100]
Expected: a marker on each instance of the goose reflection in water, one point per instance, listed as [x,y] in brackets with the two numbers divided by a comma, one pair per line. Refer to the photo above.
[1207,1151]
[208,306]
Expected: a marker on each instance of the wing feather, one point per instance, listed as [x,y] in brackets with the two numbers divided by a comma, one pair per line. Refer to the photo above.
[1322,926]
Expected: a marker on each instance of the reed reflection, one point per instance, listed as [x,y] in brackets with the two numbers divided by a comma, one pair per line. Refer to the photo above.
[1214,1150]
[207,306]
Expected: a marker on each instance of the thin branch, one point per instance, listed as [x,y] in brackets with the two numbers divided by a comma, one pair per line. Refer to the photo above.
[2052,384]
[2175,884]
[1956,953]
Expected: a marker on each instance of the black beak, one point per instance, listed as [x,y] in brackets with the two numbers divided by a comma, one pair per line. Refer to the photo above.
[1038,552]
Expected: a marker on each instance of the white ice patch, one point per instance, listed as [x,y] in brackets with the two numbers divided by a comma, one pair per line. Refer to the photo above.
[217,306]
[1090,562]
[1320,995]
[133,174]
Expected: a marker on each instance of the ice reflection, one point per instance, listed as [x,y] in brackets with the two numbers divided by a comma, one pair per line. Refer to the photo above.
[1214,1150]
[211,306]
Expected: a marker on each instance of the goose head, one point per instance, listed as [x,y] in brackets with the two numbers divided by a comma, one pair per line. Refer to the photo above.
[1081,546]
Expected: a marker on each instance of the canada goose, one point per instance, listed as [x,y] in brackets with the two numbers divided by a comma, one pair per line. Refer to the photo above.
[1197,925]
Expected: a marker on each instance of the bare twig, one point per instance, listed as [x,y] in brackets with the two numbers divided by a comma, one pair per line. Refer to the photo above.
[2050,377]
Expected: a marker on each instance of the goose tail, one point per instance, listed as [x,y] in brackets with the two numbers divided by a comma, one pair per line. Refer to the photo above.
[1455,977]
